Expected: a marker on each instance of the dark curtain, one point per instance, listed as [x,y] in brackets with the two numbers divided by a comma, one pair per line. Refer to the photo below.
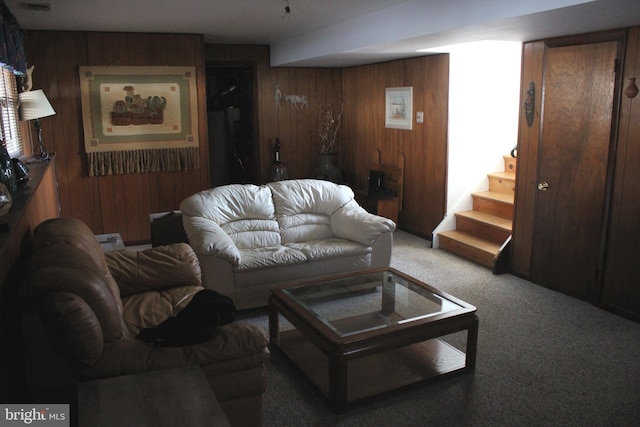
[11,41]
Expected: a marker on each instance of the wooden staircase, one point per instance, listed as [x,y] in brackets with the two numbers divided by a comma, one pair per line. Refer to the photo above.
[482,235]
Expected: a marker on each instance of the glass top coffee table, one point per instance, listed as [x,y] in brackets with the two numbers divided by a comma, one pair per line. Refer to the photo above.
[361,334]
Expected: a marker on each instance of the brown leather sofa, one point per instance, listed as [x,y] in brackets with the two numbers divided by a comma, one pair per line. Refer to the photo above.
[84,307]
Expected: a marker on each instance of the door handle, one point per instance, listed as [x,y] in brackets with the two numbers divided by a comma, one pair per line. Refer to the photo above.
[543,186]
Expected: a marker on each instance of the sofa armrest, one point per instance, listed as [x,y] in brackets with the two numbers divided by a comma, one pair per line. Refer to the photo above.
[74,327]
[206,237]
[353,222]
[154,269]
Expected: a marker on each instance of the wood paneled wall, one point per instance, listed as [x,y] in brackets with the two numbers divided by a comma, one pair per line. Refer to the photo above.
[424,148]
[122,203]
[528,142]
[118,203]
[621,284]
[363,133]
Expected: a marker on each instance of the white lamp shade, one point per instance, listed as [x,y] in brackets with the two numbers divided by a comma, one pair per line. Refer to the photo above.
[34,105]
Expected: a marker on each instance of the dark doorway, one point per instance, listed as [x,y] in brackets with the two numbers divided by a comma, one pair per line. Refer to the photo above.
[230,115]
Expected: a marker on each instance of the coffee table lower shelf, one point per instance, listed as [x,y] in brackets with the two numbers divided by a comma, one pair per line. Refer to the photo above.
[377,373]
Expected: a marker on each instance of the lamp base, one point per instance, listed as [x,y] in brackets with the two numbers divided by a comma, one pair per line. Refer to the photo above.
[41,158]
[44,156]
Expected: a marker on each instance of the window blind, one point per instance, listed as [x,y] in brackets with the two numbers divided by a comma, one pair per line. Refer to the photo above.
[11,135]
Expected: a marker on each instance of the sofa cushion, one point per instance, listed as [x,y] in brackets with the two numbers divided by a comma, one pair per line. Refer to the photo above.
[308,195]
[305,227]
[244,212]
[330,248]
[253,233]
[271,256]
[303,207]
[162,267]
[149,309]
[229,203]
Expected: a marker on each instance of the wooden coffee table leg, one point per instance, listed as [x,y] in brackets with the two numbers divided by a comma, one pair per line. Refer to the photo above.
[274,326]
[472,345]
[337,383]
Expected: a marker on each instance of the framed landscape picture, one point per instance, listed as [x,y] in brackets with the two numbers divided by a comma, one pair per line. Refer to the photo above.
[399,108]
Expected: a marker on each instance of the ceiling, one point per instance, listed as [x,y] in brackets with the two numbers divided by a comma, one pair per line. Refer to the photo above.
[334,33]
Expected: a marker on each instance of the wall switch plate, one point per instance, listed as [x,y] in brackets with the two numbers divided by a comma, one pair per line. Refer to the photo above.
[420,117]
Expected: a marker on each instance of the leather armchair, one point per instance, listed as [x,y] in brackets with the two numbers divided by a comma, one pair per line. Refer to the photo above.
[84,308]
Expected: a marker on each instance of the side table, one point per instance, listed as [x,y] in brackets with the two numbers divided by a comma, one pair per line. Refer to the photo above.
[387,208]
[171,397]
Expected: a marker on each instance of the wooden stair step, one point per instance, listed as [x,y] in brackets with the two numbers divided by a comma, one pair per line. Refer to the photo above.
[494,203]
[495,196]
[467,246]
[488,219]
[506,175]
[509,163]
[503,182]
[484,225]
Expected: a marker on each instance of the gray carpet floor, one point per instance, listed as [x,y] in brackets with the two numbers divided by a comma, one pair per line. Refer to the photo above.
[544,359]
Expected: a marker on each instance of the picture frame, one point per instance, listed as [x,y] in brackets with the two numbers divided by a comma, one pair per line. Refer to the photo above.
[114,122]
[399,108]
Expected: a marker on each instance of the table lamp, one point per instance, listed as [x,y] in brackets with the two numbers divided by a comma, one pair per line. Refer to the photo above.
[34,105]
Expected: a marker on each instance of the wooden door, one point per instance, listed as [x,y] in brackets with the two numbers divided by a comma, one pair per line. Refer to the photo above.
[576,123]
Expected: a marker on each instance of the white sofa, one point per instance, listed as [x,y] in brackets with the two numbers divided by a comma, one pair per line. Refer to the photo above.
[248,237]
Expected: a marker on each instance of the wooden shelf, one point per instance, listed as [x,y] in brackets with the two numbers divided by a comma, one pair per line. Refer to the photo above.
[394,369]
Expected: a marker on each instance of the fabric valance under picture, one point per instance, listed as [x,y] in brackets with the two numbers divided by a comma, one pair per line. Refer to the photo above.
[139,119]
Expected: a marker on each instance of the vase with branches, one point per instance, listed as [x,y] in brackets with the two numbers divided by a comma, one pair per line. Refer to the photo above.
[330,118]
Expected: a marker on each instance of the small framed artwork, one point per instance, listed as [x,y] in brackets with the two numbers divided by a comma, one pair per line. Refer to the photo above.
[399,108]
